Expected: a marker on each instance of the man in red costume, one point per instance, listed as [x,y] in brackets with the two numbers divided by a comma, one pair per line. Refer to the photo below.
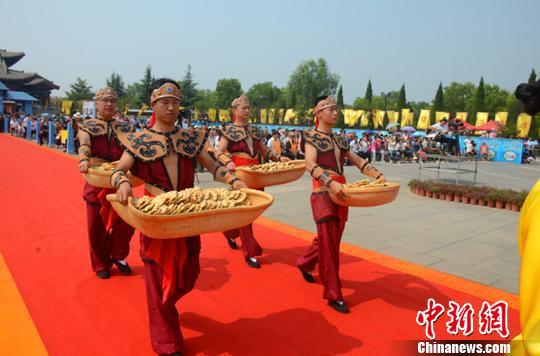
[108,234]
[164,157]
[325,158]
[241,145]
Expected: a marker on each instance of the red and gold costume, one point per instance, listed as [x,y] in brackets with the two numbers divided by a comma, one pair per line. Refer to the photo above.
[244,153]
[109,235]
[171,266]
[245,148]
[329,217]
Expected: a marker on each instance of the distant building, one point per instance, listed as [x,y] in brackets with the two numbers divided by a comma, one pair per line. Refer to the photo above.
[19,89]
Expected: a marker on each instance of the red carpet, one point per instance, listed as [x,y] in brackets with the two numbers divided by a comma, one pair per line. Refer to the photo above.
[233,310]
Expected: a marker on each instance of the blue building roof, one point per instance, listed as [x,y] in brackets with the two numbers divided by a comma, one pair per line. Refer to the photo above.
[19,96]
[3,86]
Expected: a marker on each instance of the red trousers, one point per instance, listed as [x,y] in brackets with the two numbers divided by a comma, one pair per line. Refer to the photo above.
[104,246]
[250,246]
[165,330]
[330,219]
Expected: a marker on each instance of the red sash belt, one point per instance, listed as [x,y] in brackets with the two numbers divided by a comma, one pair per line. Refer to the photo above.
[244,161]
[339,179]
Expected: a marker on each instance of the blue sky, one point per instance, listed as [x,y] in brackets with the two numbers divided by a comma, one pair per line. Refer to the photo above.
[419,43]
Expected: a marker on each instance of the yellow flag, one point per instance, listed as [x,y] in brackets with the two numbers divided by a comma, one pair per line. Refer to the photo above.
[481,118]
[424,119]
[364,118]
[346,116]
[126,109]
[66,106]
[224,115]
[289,115]
[439,115]
[355,116]
[143,109]
[375,116]
[264,116]
[523,125]
[501,117]
[212,114]
[407,117]
[393,117]
[462,116]
[197,115]
[279,117]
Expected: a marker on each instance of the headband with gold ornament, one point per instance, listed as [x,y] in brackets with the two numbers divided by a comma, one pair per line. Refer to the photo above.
[323,104]
[241,100]
[167,90]
[105,92]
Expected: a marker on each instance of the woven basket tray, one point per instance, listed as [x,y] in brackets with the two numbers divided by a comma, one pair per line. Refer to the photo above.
[257,179]
[364,197]
[102,179]
[190,224]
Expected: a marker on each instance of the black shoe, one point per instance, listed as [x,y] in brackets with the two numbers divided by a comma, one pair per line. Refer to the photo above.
[339,306]
[124,269]
[253,264]
[308,277]
[232,243]
[103,274]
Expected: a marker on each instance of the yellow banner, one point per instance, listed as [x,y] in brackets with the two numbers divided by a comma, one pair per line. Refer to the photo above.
[462,116]
[378,118]
[350,116]
[407,117]
[143,108]
[197,115]
[356,117]
[289,115]
[224,115]
[264,116]
[66,106]
[501,117]
[212,114]
[364,118]
[126,109]
[481,118]
[424,119]
[272,113]
[523,125]
[439,115]
[393,117]
[279,117]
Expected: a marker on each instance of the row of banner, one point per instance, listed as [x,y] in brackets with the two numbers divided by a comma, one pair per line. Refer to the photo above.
[351,117]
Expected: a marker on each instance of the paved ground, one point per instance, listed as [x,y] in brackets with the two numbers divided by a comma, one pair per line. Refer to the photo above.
[472,242]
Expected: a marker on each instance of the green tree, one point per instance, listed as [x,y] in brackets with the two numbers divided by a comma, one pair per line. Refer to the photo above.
[438,102]
[458,97]
[496,98]
[402,99]
[340,104]
[133,97]
[480,98]
[189,89]
[80,90]
[369,96]
[144,87]
[310,80]
[226,91]
[264,95]
[532,77]
[206,99]
[115,82]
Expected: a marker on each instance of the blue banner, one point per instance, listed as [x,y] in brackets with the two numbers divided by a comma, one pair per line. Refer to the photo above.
[500,149]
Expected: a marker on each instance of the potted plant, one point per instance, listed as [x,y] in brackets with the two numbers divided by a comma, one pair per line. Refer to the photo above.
[482,200]
[458,192]
[465,195]
[473,196]
[435,189]
[428,186]
[491,198]
[499,199]
[413,184]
